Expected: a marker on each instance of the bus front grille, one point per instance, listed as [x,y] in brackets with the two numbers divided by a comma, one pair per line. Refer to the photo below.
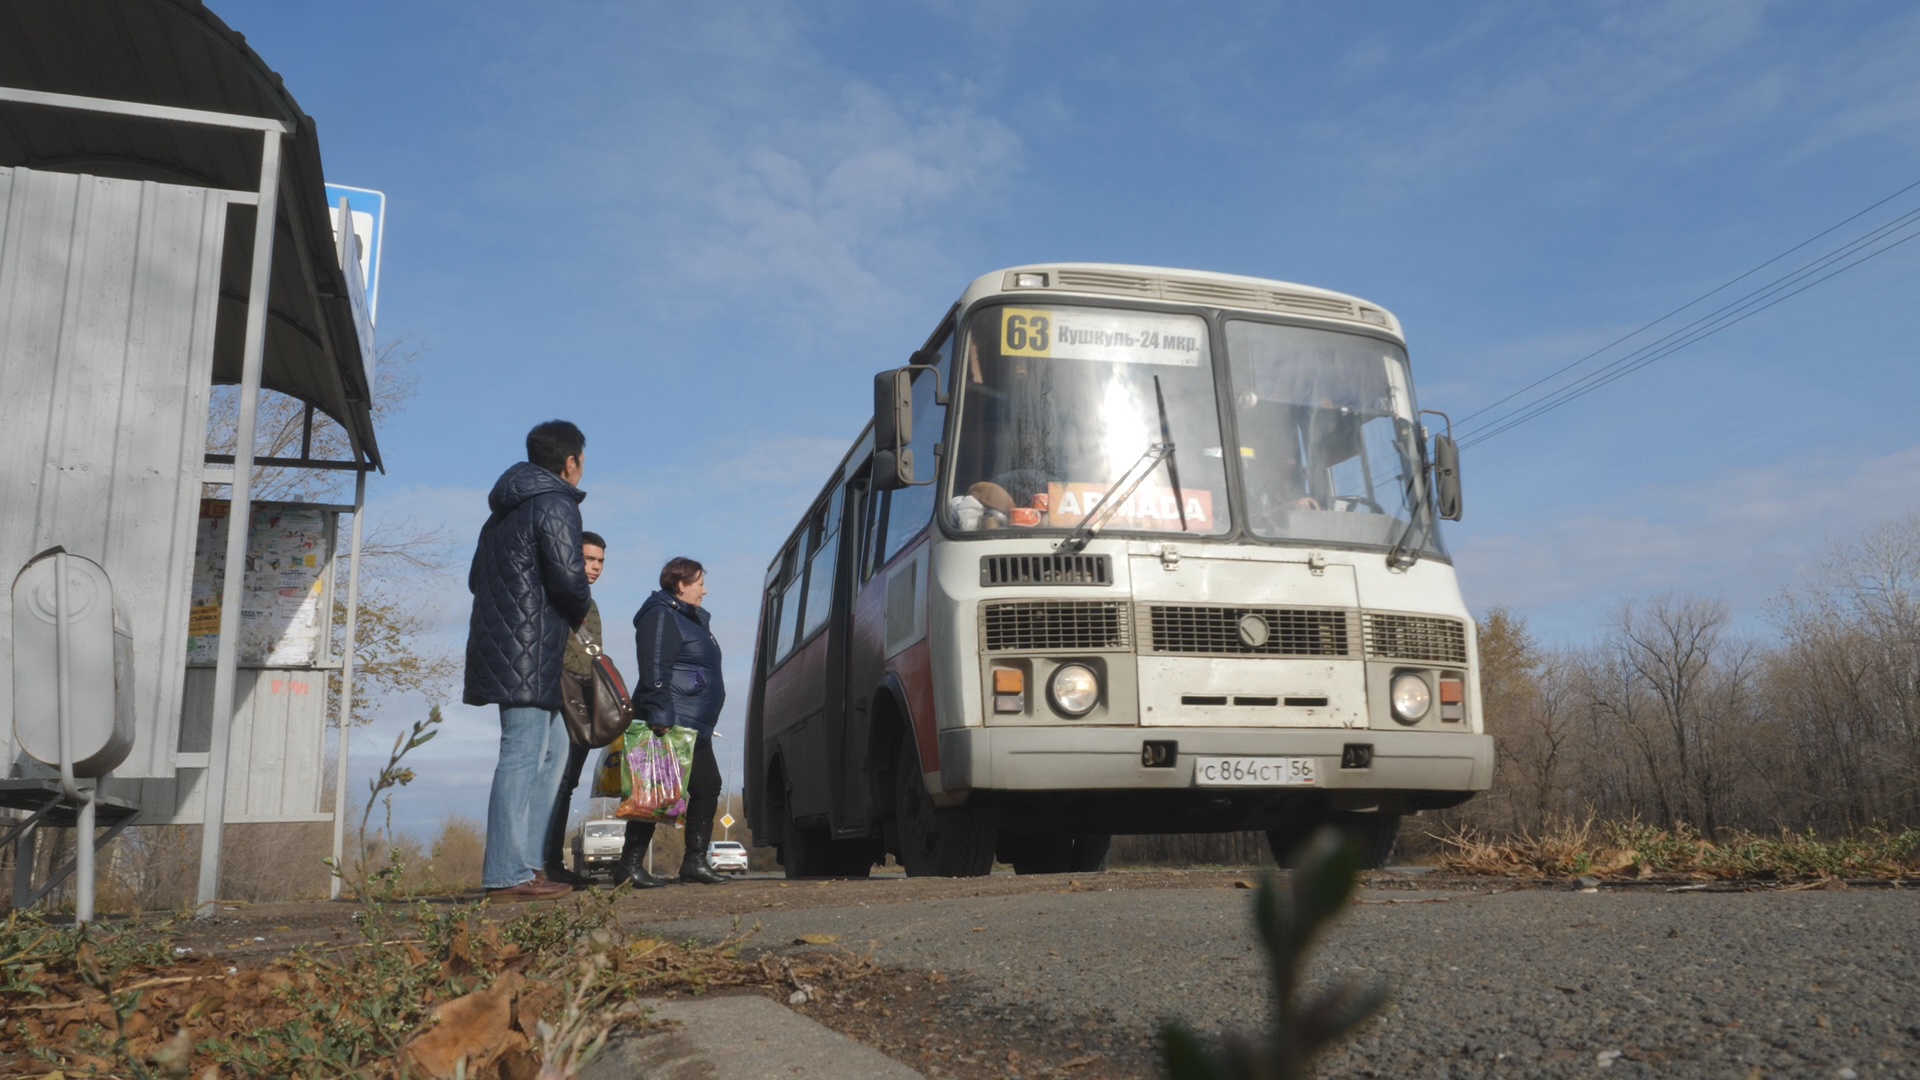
[1045,570]
[1055,626]
[1246,631]
[1414,637]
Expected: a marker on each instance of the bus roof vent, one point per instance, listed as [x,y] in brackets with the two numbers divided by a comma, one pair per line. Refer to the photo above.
[1230,294]
[1045,570]
[1414,637]
[1105,281]
[1215,292]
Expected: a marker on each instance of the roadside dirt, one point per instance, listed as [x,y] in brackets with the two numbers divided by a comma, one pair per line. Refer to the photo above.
[932,1022]
[254,932]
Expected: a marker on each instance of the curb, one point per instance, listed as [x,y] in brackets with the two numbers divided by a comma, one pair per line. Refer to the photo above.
[743,1037]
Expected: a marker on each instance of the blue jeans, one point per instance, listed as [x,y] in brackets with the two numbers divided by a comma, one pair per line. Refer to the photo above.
[533,748]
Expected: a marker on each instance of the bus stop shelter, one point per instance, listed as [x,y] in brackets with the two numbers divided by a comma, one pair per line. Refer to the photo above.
[163,229]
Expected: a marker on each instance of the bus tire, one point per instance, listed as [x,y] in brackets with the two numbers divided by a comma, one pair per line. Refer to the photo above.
[803,852]
[851,859]
[1378,833]
[1056,854]
[1090,854]
[956,842]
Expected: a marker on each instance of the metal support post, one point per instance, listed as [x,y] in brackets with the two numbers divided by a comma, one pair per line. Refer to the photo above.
[238,523]
[346,684]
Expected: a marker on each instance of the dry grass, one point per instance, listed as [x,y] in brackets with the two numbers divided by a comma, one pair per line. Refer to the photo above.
[1633,849]
[425,989]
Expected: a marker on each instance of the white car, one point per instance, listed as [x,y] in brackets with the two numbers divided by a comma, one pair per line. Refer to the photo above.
[727,856]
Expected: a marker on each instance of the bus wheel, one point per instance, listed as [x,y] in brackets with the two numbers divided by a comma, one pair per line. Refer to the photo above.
[1378,832]
[1090,854]
[933,842]
[804,852]
[1056,854]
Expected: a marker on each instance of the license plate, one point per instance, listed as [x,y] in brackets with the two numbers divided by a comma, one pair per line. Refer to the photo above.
[1254,772]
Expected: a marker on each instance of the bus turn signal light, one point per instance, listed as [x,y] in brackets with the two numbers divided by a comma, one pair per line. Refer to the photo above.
[1009,690]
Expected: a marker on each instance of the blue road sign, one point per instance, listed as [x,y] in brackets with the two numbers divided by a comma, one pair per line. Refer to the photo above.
[369,209]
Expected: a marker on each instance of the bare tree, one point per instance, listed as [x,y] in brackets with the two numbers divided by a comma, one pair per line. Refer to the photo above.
[1849,674]
[389,653]
[1669,647]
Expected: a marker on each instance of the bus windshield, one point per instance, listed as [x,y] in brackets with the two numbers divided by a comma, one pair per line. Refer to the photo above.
[1058,402]
[1330,447]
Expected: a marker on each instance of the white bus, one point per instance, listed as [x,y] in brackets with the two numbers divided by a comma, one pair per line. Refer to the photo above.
[1125,550]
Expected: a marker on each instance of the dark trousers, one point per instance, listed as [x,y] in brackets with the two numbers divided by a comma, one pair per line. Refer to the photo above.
[563,805]
[703,796]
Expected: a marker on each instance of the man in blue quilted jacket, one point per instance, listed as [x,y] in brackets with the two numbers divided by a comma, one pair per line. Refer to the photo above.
[530,589]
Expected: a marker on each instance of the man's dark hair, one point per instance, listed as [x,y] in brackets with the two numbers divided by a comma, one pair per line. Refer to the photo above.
[679,571]
[592,538]
[549,445]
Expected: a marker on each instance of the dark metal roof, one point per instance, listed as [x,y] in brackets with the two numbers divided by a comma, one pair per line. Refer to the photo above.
[178,53]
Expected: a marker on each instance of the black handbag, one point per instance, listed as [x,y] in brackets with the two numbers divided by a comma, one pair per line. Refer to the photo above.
[597,709]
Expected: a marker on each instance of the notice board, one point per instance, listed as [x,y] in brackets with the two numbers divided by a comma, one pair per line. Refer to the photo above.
[286,594]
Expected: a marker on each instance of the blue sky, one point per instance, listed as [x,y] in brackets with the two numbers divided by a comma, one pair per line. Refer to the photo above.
[697,229]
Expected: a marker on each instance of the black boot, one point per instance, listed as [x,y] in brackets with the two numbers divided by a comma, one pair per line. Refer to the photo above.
[564,876]
[694,867]
[632,869]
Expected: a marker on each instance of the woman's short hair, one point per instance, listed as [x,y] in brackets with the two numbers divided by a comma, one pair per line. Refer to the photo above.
[678,572]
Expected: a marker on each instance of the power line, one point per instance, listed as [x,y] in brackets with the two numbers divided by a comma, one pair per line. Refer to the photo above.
[1746,306]
[1482,436]
[1727,315]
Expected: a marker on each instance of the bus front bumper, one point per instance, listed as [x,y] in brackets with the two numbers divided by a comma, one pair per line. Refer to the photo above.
[1042,759]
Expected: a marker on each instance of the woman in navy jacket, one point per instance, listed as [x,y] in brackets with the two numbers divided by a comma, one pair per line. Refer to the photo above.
[679,685]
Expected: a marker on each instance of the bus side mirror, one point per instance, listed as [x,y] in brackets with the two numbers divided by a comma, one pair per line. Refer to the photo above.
[1446,475]
[892,429]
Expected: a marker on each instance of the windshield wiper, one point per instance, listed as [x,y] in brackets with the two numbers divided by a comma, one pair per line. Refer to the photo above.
[1405,552]
[1136,474]
[1173,466]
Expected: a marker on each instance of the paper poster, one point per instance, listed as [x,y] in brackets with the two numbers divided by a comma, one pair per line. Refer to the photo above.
[283,591]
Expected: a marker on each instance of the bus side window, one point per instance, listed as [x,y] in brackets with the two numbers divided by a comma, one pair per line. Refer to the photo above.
[821,563]
[911,508]
[789,602]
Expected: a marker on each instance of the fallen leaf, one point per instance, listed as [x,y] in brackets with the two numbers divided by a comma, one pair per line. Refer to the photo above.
[816,939]
[476,1028]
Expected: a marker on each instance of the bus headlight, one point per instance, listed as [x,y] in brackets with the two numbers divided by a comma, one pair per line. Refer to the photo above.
[1412,698]
[1074,689]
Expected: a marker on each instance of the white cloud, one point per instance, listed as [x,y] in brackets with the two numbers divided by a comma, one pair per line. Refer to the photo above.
[1742,535]
[1595,88]
[724,157]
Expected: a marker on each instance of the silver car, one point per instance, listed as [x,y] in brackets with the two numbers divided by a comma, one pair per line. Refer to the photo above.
[727,856]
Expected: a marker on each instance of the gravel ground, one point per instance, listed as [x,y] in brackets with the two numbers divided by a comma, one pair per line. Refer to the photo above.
[1486,980]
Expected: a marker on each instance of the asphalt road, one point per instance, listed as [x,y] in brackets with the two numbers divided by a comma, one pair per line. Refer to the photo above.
[1488,979]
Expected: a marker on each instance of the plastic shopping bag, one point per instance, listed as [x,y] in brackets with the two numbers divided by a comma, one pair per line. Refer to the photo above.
[657,766]
[610,777]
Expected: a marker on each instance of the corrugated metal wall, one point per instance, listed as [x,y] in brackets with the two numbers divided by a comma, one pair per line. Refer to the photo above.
[278,752]
[108,291]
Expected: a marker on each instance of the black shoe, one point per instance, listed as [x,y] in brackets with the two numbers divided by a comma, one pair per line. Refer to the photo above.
[641,879]
[567,877]
[697,871]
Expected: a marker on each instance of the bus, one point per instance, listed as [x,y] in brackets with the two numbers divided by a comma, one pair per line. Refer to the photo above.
[1124,550]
